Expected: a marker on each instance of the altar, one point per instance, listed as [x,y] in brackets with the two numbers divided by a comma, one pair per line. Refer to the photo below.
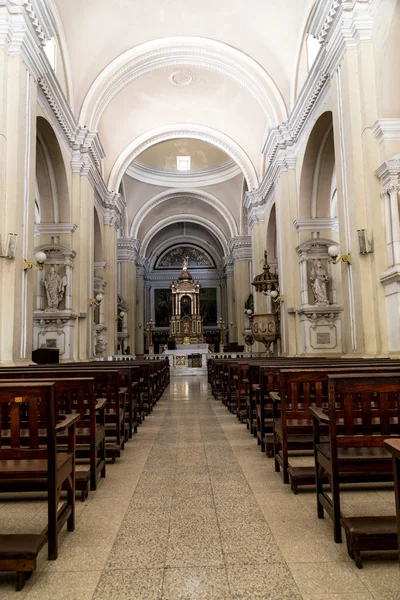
[188,359]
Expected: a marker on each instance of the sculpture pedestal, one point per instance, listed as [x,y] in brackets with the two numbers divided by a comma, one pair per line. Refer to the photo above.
[54,329]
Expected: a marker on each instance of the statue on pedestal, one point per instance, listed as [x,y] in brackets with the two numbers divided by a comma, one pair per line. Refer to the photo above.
[55,288]
[319,279]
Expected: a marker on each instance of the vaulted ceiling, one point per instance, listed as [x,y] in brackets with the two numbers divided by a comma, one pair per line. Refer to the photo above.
[211,76]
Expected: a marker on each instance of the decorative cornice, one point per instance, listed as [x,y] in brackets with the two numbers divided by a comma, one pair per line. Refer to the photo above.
[389,173]
[54,229]
[387,130]
[215,276]
[240,247]
[392,275]
[127,249]
[316,224]
[255,215]
[178,179]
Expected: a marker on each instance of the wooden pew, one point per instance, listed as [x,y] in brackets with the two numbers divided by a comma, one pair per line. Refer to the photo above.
[363,411]
[106,384]
[77,396]
[393,447]
[28,450]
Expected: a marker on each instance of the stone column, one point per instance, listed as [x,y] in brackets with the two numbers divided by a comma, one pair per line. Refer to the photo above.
[140,324]
[17,189]
[127,253]
[241,252]
[110,276]
[230,296]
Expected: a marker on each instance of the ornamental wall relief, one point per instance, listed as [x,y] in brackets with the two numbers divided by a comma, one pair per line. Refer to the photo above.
[173,258]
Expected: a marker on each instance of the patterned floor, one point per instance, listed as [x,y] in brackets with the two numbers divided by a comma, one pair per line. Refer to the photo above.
[193,510]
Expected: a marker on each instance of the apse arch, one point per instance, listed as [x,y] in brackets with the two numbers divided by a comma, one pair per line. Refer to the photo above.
[171,220]
[182,51]
[183,130]
[180,240]
[168,195]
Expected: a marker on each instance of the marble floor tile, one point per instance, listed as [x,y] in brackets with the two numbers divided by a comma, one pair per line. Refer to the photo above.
[262,582]
[64,586]
[196,583]
[137,584]
[194,553]
[333,578]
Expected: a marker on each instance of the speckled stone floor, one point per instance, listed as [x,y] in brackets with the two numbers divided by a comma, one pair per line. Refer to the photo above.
[193,510]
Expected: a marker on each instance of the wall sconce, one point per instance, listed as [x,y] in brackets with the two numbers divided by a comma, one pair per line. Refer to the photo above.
[40,257]
[276,297]
[120,316]
[11,246]
[334,252]
[96,301]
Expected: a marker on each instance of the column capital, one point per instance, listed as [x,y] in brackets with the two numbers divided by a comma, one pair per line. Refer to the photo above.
[240,247]
[127,249]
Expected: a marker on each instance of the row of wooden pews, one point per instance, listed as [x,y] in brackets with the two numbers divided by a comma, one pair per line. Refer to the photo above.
[345,413]
[58,426]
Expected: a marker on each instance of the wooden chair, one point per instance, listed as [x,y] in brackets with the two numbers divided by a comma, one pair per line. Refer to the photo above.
[363,411]
[28,450]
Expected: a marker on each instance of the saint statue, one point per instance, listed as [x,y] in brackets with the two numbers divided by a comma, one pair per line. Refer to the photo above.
[319,279]
[185,263]
[55,287]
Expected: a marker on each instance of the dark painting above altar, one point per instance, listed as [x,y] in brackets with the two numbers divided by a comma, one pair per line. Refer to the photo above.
[173,258]
[208,305]
[162,307]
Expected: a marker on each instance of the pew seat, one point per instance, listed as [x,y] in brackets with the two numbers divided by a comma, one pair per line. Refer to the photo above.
[373,534]
[18,552]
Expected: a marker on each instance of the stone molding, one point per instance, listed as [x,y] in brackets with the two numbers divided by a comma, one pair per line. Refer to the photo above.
[55,229]
[316,224]
[152,203]
[387,130]
[127,249]
[392,275]
[200,178]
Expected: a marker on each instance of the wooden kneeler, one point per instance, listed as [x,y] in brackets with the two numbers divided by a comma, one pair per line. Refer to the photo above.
[18,552]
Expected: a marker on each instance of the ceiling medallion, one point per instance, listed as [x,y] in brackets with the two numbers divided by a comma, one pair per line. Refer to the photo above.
[181,78]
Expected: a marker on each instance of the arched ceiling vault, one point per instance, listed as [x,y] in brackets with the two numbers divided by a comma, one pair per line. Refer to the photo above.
[208,225]
[183,130]
[154,205]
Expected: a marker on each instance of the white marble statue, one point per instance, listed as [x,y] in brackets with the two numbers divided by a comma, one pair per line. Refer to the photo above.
[55,288]
[319,279]
[185,263]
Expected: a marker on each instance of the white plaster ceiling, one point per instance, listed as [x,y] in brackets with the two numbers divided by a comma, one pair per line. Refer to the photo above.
[163,156]
[97,31]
